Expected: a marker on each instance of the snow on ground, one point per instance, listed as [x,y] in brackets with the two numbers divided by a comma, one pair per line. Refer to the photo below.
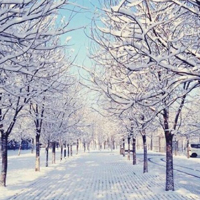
[21,170]
[98,175]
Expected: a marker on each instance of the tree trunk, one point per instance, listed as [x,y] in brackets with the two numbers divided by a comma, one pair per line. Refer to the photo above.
[134,151]
[169,163]
[71,149]
[169,154]
[61,151]
[68,150]
[37,161]
[47,154]
[53,152]
[188,149]
[65,153]
[77,145]
[32,145]
[84,146]
[95,145]
[120,149]
[113,144]
[176,148]
[100,146]
[151,146]
[129,148]
[20,147]
[4,155]
[88,146]
[145,164]
[123,147]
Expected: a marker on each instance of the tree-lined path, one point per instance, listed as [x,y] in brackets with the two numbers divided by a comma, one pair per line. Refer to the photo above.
[108,176]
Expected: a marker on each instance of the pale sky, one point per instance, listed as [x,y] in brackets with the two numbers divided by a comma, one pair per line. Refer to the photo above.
[79,40]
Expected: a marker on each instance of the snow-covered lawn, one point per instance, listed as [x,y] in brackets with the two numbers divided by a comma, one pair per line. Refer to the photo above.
[21,170]
[99,175]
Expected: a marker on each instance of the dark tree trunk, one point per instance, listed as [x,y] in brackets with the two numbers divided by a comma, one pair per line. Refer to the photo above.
[68,150]
[169,163]
[134,151]
[84,146]
[4,155]
[129,148]
[123,147]
[169,154]
[77,145]
[37,161]
[61,152]
[120,150]
[100,146]
[151,146]
[113,144]
[65,153]
[71,149]
[188,149]
[145,164]
[53,152]
[47,154]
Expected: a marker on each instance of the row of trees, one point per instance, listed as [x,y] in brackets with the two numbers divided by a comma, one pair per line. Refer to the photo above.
[37,89]
[148,73]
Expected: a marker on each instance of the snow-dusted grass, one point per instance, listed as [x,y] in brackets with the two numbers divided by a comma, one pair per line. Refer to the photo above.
[21,170]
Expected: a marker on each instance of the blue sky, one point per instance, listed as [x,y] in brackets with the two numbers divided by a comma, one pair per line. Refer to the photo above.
[79,40]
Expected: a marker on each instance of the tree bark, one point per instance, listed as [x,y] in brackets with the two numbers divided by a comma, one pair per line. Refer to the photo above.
[95,145]
[134,151]
[84,146]
[176,147]
[65,153]
[71,149]
[188,149]
[20,147]
[113,144]
[169,164]
[169,154]
[32,145]
[4,155]
[151,146]
[37,161]
[123,147]
[120,149]
[88,146]
[47,154]
[61,151]
[53,152]
[68,150]
[128,148]
[77,146]
[145,164]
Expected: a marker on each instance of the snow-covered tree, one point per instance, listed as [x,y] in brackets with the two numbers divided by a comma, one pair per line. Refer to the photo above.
[154,40]
[28,29]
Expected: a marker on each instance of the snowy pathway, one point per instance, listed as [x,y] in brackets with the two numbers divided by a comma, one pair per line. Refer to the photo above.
[103,176]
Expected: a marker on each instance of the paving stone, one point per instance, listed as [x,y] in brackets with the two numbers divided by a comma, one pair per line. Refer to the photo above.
[98,176]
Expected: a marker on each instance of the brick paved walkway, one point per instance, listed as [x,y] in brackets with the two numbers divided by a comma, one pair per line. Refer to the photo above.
[99,176]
